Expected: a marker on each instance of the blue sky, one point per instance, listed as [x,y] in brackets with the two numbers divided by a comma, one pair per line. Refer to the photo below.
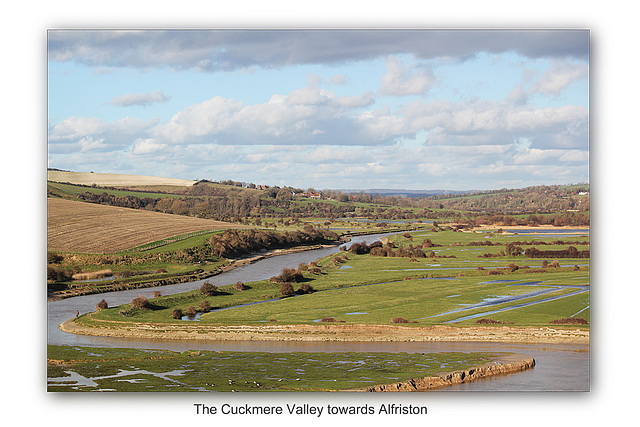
[355,109]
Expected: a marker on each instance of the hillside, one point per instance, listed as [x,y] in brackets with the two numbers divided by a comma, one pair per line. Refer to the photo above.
[86,227]
[113,180]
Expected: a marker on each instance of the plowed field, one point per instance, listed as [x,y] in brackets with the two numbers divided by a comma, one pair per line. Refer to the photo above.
[90,228]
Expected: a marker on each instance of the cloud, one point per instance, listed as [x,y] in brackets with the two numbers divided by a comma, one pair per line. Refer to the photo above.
[559,77]
[551,83]
[477,122]
[146,146]
[143,99]
[308,115]
[209,50]
[399,80]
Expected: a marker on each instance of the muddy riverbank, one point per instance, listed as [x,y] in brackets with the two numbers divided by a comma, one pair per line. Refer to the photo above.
[366,333]
[506,364]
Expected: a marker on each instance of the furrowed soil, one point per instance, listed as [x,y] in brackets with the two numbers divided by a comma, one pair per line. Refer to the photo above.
[90,228]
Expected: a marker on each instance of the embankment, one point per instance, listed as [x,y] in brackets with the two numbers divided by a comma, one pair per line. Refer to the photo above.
[379,333]
[507,364]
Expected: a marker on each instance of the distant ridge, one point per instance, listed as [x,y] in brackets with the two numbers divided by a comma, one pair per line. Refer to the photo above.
[406,193]
[112,179]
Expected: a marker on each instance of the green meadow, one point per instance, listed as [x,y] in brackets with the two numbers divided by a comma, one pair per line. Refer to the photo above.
[462,275]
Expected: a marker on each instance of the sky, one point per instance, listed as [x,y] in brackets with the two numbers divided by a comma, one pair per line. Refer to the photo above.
[323,109]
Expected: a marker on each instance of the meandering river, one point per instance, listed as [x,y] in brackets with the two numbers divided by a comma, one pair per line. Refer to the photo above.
[559,367]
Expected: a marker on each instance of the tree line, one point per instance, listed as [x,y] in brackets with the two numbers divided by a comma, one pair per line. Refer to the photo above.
[235,243]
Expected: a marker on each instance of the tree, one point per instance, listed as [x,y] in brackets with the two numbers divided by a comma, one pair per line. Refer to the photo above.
[177,314]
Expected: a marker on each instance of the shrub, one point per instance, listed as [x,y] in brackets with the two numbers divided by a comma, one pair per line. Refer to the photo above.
[205,306]
[492,322]
[288,275]
[157,294]
[191,311]
[399,320]
[53,258]
[305,288]
[286,289]
[495,272]
[570,321]
[177,314]
[512,267]
[140,302]
[208,288]
[102,305]
[327,319]
[239,286]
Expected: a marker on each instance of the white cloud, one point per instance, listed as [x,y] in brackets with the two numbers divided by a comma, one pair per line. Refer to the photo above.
[146,146]
[551,83]
[400,80]
[559,77]
[87,143]
[143,99]
[308,115]
[75,128]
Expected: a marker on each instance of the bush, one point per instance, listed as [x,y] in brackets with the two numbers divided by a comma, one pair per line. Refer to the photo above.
[286,290]
[492,322]
[177,314]
[53,258]
[512,267]
[208,288]
[288,275]
[205,306]
[570,321]
[140,302]
[191,311]
[305,288]
[399,320]
[239,286]
[102,305]
[157,294]
[327,319]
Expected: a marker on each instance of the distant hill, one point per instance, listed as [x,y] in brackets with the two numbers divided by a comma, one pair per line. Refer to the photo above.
[406,193]
[113,180]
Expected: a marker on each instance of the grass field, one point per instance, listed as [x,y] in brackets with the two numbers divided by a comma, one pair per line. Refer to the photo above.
[91,228]
[363,289]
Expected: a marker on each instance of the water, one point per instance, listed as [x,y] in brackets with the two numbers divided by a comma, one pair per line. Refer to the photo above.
[559,367]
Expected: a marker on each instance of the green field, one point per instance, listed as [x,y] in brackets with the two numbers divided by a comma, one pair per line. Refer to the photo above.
[366,289]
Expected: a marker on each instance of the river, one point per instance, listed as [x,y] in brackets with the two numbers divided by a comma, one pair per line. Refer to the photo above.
[559,367]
